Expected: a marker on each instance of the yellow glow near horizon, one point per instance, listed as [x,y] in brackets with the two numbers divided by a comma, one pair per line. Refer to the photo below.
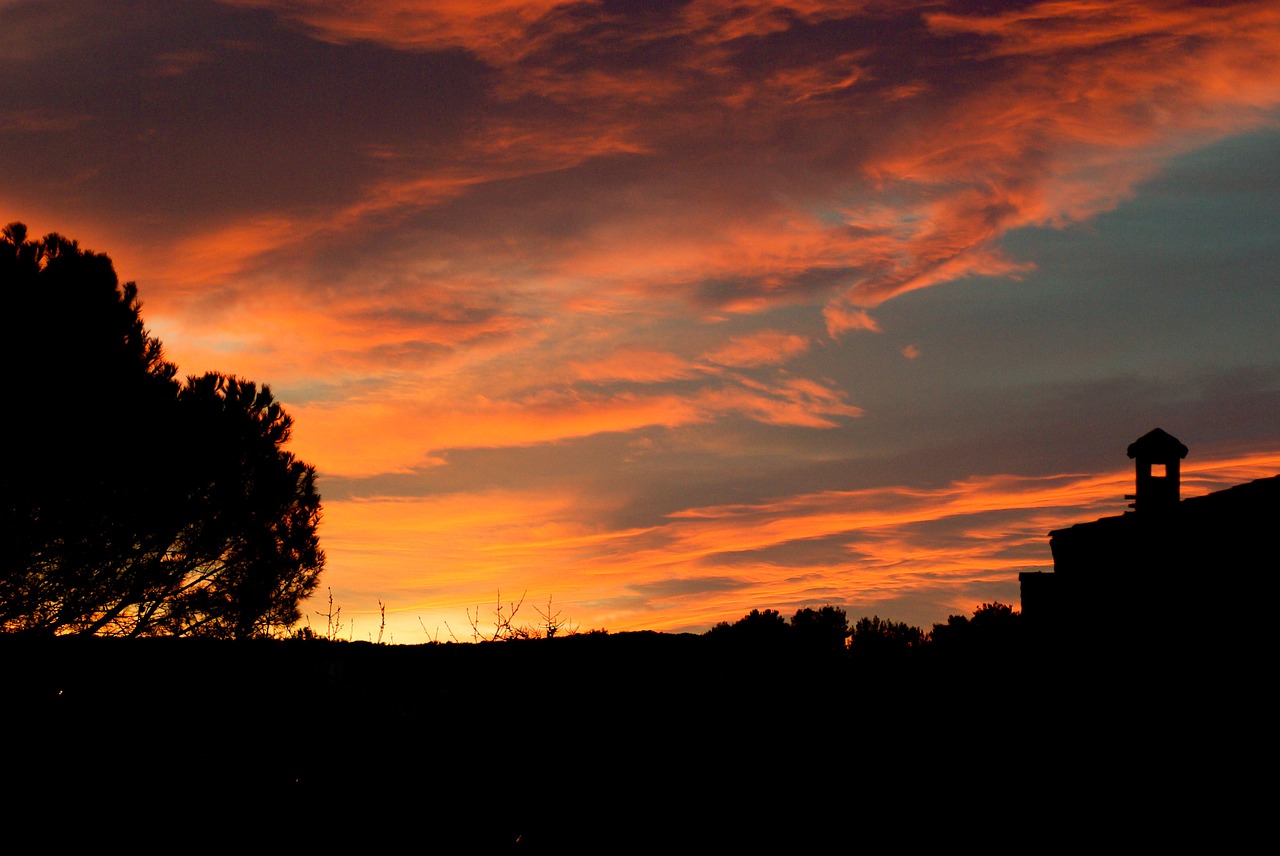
[470,548]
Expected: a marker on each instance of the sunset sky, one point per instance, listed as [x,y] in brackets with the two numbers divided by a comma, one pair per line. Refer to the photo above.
[672,310]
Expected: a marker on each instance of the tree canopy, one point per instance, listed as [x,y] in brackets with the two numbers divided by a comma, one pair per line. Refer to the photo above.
[135,503]
[875,637]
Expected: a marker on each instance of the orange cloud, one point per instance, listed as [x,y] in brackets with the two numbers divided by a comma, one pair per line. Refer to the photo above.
[715,21]
[499,28]
[397,434]
[841,319]
[1052,27]
[1098,95]
[1040,502]
[1079,102]
[768,347]
[636,365]
[706,564]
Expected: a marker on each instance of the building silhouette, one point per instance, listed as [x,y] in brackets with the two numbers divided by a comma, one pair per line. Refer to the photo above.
[1154,566]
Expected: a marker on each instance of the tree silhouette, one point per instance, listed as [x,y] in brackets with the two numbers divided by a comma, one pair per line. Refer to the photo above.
[756,629]
[821,630]
[877,639]
[993,626]
[135,504]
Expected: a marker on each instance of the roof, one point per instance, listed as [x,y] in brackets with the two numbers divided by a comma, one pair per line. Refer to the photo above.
[1157,444]
[1242,504]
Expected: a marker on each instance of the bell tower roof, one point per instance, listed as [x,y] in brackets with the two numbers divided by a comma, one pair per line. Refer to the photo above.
[1157,445]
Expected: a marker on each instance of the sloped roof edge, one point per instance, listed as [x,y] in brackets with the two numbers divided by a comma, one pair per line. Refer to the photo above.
[1157,443]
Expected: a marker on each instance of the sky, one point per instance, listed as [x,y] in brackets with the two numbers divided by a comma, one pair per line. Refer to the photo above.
[660,312]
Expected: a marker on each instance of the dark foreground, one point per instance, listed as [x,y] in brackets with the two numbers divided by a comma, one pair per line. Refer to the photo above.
[622,742]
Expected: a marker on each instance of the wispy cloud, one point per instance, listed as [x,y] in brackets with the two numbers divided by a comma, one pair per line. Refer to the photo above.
[704,564]
[767,347]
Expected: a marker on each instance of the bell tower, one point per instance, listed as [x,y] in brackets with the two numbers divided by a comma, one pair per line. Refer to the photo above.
[1156,456]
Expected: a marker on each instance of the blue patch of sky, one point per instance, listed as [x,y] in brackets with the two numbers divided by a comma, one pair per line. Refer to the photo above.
[1181,277]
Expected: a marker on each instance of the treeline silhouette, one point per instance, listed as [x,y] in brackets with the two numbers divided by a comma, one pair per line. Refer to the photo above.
[762,732]
[827,632]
